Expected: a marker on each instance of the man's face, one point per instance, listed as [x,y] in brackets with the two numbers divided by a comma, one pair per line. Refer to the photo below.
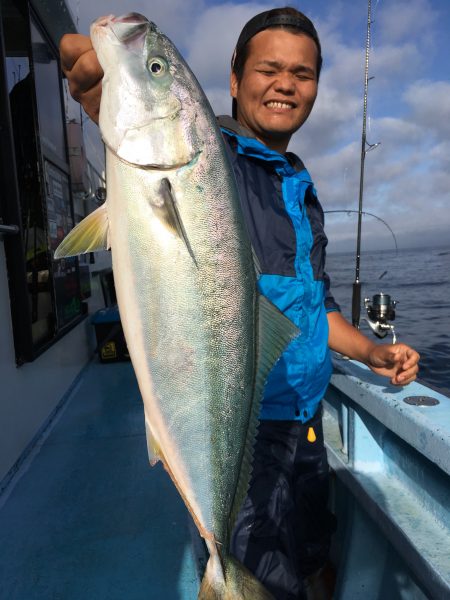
[278,86]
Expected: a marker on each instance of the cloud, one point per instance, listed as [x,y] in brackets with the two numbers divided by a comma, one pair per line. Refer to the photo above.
[429,104]
[213,38]
[176,18]
[407,178]
[406,20]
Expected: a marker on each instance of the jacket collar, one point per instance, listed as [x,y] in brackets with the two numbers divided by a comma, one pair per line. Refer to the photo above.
[250,146]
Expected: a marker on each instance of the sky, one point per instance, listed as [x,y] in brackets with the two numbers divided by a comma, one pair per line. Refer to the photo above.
[407,177]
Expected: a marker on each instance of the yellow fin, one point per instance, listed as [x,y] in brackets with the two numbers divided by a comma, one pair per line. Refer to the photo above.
[230,582]
[90,235]
[153,449]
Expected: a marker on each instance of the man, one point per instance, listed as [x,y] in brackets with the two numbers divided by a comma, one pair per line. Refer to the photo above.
[284,528]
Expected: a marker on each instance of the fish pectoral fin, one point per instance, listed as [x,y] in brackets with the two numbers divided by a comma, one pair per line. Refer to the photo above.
[90,235]
[154,451]
[167,212]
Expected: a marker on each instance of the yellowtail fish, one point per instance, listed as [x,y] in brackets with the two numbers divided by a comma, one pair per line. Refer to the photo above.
[201,338]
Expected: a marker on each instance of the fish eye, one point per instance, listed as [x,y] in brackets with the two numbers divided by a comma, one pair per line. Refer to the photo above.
[157,66]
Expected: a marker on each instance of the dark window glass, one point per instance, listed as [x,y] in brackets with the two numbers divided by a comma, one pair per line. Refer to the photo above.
[21,96]
[65,271]
[45,204]
[48,95]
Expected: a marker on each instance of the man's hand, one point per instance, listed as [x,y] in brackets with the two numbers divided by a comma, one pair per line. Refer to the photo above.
[399,362]
[83,71]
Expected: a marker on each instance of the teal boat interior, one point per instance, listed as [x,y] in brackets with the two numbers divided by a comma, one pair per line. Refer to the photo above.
[85,516]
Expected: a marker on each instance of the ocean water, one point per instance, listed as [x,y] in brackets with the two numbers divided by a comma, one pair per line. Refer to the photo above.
[419,280]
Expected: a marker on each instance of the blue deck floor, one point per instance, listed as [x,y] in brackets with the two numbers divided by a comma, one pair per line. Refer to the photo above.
[89,518]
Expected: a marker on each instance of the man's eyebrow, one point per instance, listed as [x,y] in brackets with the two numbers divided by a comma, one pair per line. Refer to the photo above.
[270,63]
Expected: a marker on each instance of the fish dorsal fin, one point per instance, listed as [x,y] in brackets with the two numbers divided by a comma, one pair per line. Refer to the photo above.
[90,235]
[168,213]
[256,263]
[275,332]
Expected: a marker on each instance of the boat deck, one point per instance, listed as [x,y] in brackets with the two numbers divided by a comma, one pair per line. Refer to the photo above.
[87,516]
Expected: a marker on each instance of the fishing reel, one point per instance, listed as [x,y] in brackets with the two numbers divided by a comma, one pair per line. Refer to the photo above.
[379,315]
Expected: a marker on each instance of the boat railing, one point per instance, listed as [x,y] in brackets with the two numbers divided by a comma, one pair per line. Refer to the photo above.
[389,448]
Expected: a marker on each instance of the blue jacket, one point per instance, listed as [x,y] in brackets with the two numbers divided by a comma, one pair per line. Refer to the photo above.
[285,223]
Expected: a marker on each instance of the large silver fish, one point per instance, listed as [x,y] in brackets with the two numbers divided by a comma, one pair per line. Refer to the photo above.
[200,337]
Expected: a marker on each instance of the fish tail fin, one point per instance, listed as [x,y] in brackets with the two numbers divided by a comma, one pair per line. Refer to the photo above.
[228,579]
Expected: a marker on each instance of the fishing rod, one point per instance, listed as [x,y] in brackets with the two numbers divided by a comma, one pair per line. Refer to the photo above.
[365,147]
[381,312]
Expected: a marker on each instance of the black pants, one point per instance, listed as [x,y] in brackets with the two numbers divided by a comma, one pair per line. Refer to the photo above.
[283,530]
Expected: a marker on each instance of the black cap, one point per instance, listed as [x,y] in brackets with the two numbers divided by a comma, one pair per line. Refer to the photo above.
[266,19]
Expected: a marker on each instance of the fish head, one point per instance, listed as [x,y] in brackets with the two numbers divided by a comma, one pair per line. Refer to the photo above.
[149,95]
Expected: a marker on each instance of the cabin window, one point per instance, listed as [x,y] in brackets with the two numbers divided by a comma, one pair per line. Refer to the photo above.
[46,295]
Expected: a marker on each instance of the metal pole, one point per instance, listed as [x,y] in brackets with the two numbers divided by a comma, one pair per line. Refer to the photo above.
[356,298]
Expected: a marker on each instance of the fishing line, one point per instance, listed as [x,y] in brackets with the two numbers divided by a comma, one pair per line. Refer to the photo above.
[364,212]
[78,13]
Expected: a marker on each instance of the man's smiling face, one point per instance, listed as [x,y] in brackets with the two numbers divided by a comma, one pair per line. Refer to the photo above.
[278,86]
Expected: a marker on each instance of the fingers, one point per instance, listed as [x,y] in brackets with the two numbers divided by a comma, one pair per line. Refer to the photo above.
[399,362]
[90,101]
[405,376]
[84,73]
[408,367]
[71,47]
[412,358]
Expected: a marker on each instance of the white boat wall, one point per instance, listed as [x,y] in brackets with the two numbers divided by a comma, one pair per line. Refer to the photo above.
[46,337]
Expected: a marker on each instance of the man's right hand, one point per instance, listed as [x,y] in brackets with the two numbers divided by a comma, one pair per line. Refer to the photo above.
[83,71]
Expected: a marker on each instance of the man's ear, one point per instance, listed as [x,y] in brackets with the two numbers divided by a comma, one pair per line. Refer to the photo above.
[233,85]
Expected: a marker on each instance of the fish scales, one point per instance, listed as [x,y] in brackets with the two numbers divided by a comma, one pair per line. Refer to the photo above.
[186,320]
[200,337]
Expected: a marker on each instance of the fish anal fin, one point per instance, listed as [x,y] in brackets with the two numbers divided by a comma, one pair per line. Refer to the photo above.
[167,212]
[153,449]
[90,235]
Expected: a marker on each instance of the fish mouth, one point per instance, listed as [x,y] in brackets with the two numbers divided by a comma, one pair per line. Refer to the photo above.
[127,28]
